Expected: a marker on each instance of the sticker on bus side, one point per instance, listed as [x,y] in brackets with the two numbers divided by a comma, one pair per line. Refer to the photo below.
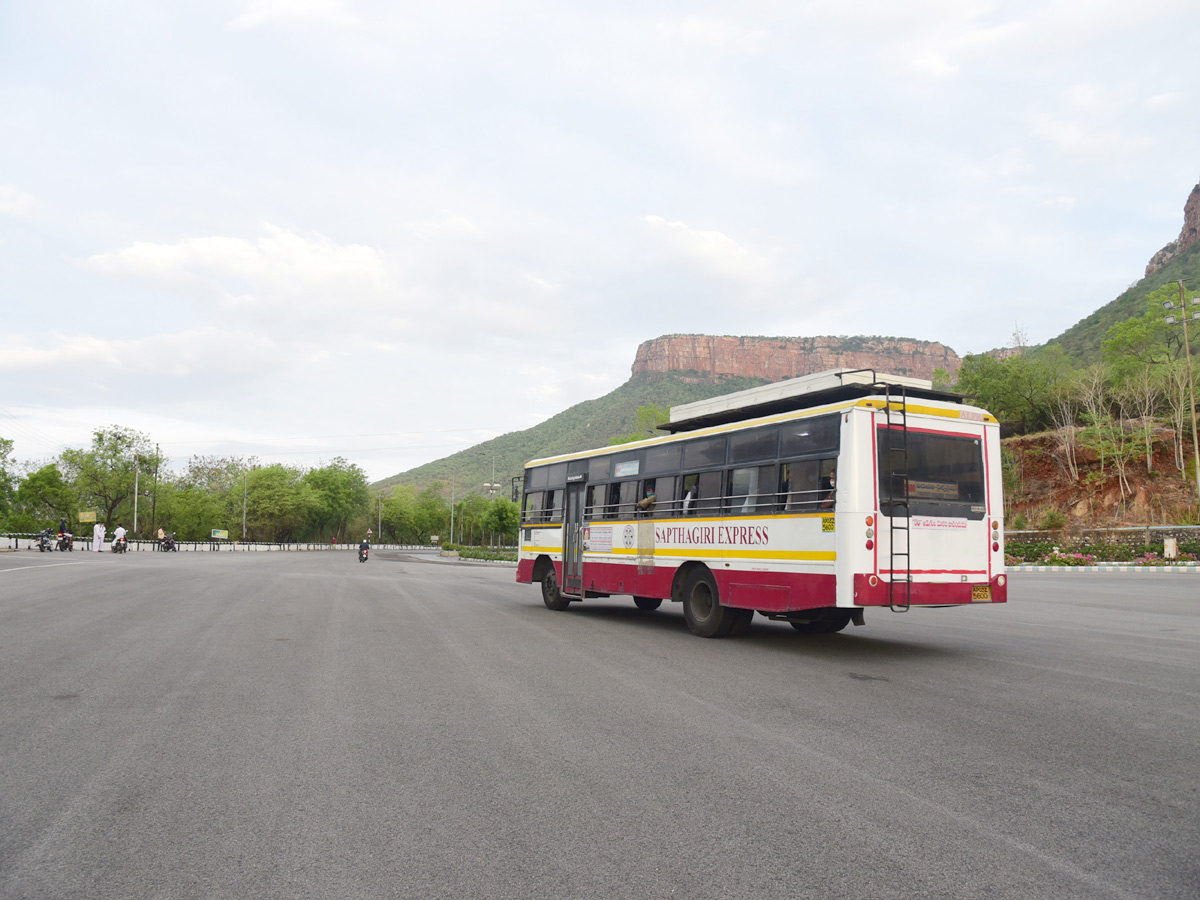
[598,539]
[827,523]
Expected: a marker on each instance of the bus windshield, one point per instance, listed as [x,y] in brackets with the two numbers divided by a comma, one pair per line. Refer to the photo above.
[945,474]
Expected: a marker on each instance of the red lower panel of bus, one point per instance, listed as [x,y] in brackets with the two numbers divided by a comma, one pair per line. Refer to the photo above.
[774,591]
[871,591]
[766,591]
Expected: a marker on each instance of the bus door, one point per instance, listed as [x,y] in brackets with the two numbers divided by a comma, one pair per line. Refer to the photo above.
[572,574]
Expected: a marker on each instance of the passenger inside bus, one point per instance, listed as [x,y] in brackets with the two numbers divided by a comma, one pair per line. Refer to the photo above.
[829,489]
[646,504]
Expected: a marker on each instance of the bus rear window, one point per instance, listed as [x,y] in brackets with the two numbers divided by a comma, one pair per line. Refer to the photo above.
[944,474]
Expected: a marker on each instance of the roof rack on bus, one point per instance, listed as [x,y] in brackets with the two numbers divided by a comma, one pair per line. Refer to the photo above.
[798,393]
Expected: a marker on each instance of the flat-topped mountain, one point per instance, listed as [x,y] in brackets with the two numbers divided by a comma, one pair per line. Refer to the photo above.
[703,357]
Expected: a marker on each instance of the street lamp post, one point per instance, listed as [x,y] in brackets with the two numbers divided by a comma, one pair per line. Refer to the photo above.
[491,487]
[1183,318]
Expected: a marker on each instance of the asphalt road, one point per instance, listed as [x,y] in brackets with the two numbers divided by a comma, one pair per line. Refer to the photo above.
[295,725]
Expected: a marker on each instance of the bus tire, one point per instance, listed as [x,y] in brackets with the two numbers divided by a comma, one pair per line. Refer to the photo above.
[830,624]
[702,608]
[551,595]
[647,603]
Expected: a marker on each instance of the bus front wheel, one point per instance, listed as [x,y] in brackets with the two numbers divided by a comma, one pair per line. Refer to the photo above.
[702,608]
[551,595]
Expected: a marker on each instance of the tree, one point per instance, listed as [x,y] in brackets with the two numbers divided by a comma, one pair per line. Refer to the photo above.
[399,515]
[8,482]
[502,518]
[279,505]
[468,517]
[341,492]
[42,498]
[1018,390]
[104,476]
[432,513]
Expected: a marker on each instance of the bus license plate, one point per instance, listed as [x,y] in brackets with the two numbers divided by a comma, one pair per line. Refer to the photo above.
[981,593]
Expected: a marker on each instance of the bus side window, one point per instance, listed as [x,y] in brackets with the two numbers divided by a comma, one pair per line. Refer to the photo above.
[595,501]
[552,511]
[687,505]
[749,490]
[710,493]
[614,500]
[665,504]
[828,487]
[533,507]
[799,485]
[628,500]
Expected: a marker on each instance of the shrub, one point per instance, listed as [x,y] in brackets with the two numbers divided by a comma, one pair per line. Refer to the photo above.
[1052,520]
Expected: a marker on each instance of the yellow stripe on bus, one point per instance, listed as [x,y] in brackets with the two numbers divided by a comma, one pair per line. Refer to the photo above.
[685,553]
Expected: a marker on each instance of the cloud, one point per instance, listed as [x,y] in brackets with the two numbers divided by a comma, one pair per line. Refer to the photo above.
[1164,101]
[716,33]
[211,353]
[16,203]
[279,273]
[269,12]
[716,252]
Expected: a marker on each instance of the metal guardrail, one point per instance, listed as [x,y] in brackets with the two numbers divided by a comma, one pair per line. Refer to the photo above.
[1146,529]
[23,541]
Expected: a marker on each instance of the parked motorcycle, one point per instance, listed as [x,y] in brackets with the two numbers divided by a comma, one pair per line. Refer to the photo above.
[45,541]
[168,543]
[120,545]
[66,541]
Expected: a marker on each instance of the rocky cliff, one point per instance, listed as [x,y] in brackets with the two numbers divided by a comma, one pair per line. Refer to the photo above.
[1187,237]
[708,357]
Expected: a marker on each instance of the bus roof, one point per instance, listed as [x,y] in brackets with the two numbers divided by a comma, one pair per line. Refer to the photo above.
[799,393]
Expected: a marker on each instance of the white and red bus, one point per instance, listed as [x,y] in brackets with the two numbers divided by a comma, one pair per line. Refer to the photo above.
[806,501]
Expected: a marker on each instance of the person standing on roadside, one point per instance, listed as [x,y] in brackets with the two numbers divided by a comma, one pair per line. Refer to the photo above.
[98,536]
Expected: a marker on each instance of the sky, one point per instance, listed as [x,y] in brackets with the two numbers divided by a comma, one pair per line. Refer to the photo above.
[309,229]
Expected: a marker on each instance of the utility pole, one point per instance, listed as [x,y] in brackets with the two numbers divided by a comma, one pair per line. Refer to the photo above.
[154,498]
[245,490]
[137,467]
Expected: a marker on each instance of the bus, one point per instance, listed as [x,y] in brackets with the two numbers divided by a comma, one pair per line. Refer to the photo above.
[806,501]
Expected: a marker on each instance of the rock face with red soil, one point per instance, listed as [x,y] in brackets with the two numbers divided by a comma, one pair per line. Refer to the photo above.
[1040,480]
[1187,237]
[708,357]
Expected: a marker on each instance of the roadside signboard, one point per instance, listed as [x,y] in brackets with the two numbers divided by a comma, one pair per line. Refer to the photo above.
[89,516]
[220,534]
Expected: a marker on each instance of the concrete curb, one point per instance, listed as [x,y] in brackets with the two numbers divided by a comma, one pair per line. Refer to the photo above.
[1113,567]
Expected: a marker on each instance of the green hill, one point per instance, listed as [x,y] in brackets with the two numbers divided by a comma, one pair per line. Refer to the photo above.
[1082,341]
[592,423]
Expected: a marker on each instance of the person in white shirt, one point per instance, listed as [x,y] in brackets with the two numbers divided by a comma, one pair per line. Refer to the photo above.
[118,535]
[98,536]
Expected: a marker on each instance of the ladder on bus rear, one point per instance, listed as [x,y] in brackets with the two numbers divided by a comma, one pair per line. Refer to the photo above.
[896,419]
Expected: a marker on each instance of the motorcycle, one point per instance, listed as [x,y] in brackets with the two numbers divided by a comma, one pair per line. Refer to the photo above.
[45,541]
[66,541]
[120,545]
[168,543]
[362,554]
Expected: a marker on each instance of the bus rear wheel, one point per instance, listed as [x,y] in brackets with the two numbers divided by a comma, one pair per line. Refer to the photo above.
[551,595]
[702,608]
[647,603]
